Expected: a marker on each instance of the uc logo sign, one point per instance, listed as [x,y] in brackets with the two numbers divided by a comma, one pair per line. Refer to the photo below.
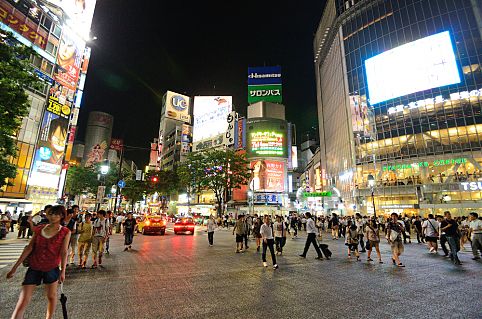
[179,103]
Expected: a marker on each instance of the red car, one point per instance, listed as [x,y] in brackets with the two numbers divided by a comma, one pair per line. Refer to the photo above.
[183,225]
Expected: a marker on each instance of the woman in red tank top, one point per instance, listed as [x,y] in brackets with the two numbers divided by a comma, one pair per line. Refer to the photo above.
[46,251]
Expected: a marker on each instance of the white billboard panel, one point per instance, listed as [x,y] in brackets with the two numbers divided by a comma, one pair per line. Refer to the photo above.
[413,67]
[210,114]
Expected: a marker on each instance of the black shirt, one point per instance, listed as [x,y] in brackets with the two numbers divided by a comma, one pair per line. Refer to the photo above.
[129,225]
[452,230]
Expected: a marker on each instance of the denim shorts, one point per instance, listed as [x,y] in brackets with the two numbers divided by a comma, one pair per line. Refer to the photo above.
[36,277]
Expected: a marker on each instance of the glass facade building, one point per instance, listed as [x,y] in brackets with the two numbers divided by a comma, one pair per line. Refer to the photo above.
[422,142]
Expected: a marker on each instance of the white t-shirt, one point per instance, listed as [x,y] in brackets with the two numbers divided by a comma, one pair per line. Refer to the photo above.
[211,225]
[120,219]
[476,226]
[279,229]
[431,227]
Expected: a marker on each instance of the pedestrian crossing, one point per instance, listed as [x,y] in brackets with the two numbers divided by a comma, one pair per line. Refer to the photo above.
[9,253]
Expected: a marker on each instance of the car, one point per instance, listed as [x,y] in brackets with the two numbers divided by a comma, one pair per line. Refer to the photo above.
[183,225]
[152,224]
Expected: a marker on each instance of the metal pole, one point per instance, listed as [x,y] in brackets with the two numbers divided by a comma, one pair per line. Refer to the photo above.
[119,177]
[373,203]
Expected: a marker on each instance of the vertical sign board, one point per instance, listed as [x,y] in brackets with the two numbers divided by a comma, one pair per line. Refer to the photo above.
[264,84]
[230,135]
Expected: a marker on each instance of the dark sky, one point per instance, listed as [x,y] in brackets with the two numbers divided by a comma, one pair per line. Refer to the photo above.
[196,48]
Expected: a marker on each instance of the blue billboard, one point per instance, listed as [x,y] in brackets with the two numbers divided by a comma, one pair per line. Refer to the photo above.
[264,75]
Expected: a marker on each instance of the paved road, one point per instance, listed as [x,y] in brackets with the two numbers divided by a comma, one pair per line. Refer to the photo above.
[177,276]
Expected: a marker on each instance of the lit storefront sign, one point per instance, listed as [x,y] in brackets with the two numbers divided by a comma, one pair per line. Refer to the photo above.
[317,194]
[267,143]
[268,176]
[471,186]
[264,84]
[177,106]
[457,96]
[399,206]
[268,198]
[434,163]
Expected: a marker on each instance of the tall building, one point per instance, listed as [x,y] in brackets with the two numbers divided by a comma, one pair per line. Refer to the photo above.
[58,32]
[399,85]
[174,130]
[98,137]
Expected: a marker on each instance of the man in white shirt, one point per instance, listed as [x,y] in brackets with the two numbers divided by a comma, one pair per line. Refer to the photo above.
[430,230]
[311,237]
[119,220]
[475,229]
[279,235]
[14,220]
[268,242]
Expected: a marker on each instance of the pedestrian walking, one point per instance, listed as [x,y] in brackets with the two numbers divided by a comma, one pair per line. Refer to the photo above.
[373,237]
[360,226]
[129,226]
[294,227]
[45,252]
[98,240]
[85,240]
[418,230]
[452,234]
[110,227]
[280,235]
[13,221]
[239,229]
[442,236]
[71,224]
[246,226]
[268,242]
[394,237]
[119,220]
[211,225]
[257,232]
[311,237]
[351,239]
[23,226]
[475,231]
[430,230]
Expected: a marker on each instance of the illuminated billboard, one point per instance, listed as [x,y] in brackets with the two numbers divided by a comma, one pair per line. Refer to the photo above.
[268,176]
[49,153]
[266,138]
[69,59]
[177,106]
[210,116]
[264,84]
[413,67]
[78,14]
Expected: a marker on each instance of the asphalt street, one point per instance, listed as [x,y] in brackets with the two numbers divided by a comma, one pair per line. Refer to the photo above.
[180,276]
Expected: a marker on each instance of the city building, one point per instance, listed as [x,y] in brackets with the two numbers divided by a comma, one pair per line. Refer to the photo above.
[399,85]
[58,34]
[175,130]
[98,137]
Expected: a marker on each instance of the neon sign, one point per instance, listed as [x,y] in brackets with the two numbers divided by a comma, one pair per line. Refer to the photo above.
[267,143]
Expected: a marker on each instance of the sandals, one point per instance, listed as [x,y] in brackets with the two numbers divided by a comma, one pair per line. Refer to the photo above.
[369,259]
[401,265]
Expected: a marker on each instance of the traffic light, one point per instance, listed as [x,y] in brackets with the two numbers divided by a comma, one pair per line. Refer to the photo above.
[154,179]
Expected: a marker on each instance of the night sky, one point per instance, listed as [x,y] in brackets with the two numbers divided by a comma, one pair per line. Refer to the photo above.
[196,49]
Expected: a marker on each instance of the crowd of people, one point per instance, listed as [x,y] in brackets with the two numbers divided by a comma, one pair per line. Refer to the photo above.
[59,235]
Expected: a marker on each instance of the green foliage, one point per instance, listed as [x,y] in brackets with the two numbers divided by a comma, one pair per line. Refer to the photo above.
[134,190]
[215,170]
[81,180]
[167,182]
[16,74]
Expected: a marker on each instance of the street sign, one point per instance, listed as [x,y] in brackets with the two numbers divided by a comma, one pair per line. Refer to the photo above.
[121,183]
[138,175]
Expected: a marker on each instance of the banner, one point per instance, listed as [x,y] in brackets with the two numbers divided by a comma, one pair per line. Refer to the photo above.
[230,135]
[116,144]
[60,100]
[69,59]
[268,176]
[49,152]
[186,139]
[25,27]
[210,114]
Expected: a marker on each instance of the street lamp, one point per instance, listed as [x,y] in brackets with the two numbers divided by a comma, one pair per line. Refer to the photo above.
[371,184]
[104,169]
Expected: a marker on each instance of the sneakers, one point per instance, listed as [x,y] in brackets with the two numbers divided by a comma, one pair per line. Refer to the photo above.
[257,248]
[237,251]
[369,259]
[319,257]
[265,264]
[275,266]
[476,258]
[302,256]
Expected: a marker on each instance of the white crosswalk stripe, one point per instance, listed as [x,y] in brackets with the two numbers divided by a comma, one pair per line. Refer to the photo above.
[9,253]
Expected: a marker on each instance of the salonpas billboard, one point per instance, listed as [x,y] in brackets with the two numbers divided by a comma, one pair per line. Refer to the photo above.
[266,138]
[264,84]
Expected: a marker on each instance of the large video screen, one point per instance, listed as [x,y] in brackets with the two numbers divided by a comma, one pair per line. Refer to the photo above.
[413,67]
[210,116]
[266,138]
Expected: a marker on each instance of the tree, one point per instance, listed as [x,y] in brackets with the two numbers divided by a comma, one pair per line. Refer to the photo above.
[16,74]
[134,191]
[215,170]
[81,180]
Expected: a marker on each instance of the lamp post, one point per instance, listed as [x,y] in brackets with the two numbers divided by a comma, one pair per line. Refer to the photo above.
[104,169]
[371,184]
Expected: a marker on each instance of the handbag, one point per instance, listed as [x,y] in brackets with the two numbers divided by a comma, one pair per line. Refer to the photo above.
[393,235]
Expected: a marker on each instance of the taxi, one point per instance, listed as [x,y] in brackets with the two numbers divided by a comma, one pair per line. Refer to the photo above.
[152,224]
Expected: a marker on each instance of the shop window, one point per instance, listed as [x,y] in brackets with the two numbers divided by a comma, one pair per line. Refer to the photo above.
[57,30]
[51,48]
[46,22]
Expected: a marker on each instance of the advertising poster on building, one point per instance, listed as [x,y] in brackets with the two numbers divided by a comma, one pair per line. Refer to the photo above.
[116,144]
[230,135]
[177,106]
[186,139]
[268,176]
[60,100]
[16,20]
[264,84]
[210,114]
[241,140]
[49,153]
[266,138]
[86,59]
[69,59]
[79,14]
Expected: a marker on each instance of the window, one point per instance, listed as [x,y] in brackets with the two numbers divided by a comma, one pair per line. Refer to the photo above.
[51,48]
[46,22]
[47,67]
[57,30]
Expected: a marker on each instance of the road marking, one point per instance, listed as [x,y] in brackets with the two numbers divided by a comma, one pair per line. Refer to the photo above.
[9,253]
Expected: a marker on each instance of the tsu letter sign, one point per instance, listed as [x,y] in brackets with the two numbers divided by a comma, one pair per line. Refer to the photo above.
[264,84]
